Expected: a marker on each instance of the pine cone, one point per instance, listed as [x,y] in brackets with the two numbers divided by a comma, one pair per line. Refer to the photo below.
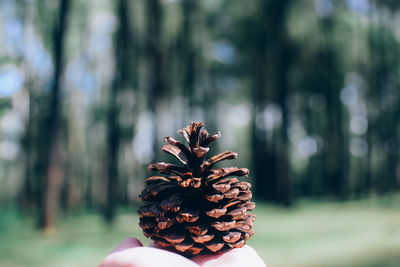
[197,209]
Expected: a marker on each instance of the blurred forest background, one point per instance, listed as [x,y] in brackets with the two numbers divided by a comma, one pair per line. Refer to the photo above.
[307,92]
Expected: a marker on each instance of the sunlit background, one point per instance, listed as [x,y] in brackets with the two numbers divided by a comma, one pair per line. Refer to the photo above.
[307,92]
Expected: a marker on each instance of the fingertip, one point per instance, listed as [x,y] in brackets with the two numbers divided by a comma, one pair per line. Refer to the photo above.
[147,256]
[246,249]
[244,256]
[201,259]
[130,242]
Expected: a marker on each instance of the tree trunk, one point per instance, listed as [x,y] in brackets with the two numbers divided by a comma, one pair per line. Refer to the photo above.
[50,168]
[121,81]
[271,161]
[156,79]
[187,54]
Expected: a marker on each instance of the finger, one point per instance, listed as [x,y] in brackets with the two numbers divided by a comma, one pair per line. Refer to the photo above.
[127,243]
[146,257]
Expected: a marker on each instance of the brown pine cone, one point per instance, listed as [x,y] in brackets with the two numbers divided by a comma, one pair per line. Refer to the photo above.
[196,209]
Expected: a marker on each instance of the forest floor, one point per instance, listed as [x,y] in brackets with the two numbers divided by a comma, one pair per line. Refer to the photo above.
[356,233]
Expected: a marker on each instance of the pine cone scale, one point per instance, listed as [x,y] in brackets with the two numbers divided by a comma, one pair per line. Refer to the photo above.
[202,238]
[197,229]
[174,239]
[216,213]
[182,247]
[232,237]
[214,246]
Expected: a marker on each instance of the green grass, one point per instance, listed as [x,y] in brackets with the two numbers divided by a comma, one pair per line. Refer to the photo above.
[365,233]
[360,233]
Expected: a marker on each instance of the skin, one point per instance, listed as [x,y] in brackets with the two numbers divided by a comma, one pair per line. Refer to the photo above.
[131,253]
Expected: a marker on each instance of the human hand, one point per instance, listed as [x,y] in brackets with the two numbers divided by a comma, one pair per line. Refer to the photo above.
[131,253]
